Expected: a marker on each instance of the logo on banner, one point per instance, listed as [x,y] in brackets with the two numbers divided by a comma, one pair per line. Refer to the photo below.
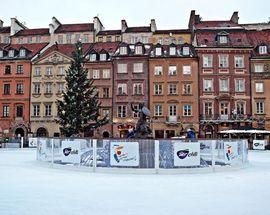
[68,151]
[182,154]
[230,153]
[119,155]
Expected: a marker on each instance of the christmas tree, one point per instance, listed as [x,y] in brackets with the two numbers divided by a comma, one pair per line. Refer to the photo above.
[79,109]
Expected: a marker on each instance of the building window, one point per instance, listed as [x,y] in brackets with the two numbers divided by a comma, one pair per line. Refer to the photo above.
[172,50]
[11,53]
[224,108]
[108,39]
[103,57]
[223,85]
[19,69]
[122,68]
[223,61]
[138,50]
[68,38]
[239,85]
[20,40]
[122,111]
[136,108]
[85,38]
[160,40]
[262,49]
[117,38]
[172,70]
[134,39]
[36,109]
[137,89]
[48,71]
[1,53]
[6,89]
[22,53]
[95,74]
[106,92]
[172,89]
[48,88]
[258,67]
[30,39]
[186,51]
[186,70]
[60,39]
[158,51]
[158,70]
[144,39]
[239,62]
[93,57]
[37,71]
[138,67]
[240,108]
[37,88]
[259,87]
[208,108]
[100,39]
[187,110]
[19,89]
[6,39]
[19,111]
[7,69]
[207,85]
[5,111]
[260,107]
[122,89]
[187,89]
[60,87]
[106,73]
[172,110]
[77,37]
[158,110]
[48,110]
[61,70]
[158,89]
[38,39]
[207,61]
[123,50]
[106,113]
[223,39]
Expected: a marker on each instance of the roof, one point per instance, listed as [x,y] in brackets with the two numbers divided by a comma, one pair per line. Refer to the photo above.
[110,47]
[65,49]
[37,31]
[33,48]
[236,38]
[173,31]
[142,29]
[217,24]
[5,30]
[81,27]
[109,32]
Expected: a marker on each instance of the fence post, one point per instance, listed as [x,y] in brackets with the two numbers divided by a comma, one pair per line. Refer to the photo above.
[94,154]
[213,147]
[52,142]
[156,155]
[21,142]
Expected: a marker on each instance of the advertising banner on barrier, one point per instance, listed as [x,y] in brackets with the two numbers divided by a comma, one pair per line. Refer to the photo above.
[186,154]
[32,142]
[259,144]
[231,151]
[71,152]
[124,154]
[205,146]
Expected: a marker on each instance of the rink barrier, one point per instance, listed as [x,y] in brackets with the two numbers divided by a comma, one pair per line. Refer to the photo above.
[143,156]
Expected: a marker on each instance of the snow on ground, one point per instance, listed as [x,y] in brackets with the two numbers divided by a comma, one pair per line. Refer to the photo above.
[30,189]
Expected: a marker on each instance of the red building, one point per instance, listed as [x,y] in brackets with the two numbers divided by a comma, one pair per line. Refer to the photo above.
[15,82]
[224,74]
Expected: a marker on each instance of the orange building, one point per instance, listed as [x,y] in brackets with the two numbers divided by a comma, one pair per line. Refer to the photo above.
[15,78]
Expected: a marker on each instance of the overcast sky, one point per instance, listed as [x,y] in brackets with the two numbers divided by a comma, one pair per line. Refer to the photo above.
[168,13]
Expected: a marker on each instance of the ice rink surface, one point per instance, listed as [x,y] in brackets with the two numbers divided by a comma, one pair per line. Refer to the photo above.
[26,188]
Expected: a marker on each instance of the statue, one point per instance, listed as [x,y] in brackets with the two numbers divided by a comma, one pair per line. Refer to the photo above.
[142,130]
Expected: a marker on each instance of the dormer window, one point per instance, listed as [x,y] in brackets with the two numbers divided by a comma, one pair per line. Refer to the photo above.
[1,54]
[103,57]
[262,49]
[172,51]
[158,51]
[138,50]
[93,57]
[223,39]
[186,50]
[22,53]
[11,53]
[123,50]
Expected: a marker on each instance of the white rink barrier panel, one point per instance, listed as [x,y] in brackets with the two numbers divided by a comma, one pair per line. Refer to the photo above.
[131,155]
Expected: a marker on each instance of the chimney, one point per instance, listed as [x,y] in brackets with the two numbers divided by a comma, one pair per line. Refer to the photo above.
[153,25]
[191,19]
[235,17]
[1,23]
[123,25]
[15,26]
[98,26]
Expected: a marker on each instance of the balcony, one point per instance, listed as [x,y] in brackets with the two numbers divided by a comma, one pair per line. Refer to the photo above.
[172,120]
[216,118]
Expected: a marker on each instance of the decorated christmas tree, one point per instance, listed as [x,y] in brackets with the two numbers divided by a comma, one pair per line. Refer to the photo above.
[79,110]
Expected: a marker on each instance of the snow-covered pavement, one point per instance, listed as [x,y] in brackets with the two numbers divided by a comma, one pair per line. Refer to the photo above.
[30,189]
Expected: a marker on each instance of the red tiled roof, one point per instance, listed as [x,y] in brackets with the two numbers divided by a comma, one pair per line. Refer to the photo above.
[109,46]
[65,49]
[216,24]
[34,48]
[173,31]
[109,32]
[81,27]
[5,30]
[138,29]
[237,38]
[37,31]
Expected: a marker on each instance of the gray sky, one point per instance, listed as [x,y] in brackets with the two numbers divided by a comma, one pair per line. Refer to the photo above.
[168,13]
